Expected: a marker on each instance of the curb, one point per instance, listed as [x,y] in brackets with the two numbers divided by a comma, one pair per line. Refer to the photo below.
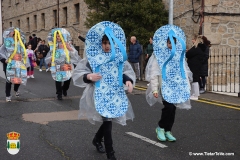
[203,99]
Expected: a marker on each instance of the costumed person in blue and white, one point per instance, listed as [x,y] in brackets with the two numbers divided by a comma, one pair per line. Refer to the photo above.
[62,57]
[14,57]
[169,77]
[104,73]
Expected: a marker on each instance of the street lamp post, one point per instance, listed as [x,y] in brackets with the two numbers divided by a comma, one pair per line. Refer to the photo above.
[58,14]
[170,16]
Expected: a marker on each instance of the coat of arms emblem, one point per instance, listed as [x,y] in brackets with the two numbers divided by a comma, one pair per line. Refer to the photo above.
[13,142]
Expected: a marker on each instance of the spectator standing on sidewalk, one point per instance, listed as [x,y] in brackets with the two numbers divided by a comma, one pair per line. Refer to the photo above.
[148,51]
[204,68]
[42,51]
[135,52]
[34,42]
[195,57]
[32,59]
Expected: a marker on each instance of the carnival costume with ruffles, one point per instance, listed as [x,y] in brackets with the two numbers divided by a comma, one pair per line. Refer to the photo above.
[106,97]
[61,59]
[170,67]
[13,50]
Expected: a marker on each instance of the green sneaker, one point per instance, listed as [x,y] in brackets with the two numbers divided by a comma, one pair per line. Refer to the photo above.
[160,134]
[169,136]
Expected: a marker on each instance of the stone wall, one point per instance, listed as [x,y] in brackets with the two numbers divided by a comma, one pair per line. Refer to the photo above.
[19,10]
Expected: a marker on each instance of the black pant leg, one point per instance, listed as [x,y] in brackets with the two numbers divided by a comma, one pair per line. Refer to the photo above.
[8,89]
[100,133]
[66,85]
[8,85]
[58,87]
[108,136]
[16,86]
[168,116]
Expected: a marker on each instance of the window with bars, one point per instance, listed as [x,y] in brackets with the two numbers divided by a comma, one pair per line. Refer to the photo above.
[65,16]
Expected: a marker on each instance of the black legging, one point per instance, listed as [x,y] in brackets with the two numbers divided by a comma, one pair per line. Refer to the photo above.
[168,116]
[61,88]
[105,131]
[9,86]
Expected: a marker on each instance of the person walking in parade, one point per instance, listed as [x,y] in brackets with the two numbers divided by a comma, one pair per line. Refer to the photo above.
[103,74]
[169,77]
[13,55]
[61,57]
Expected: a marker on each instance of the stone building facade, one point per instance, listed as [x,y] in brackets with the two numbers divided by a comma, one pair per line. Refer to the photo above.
[222,29]
[40,16]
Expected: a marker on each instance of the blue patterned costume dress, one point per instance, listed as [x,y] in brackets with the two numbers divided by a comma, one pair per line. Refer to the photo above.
[106,98]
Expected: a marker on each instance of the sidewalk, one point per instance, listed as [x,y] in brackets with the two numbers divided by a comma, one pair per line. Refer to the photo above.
[207,96]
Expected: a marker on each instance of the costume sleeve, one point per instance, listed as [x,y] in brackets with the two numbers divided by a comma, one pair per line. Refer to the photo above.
[48,58]
[75,58]
[128,72]
[153,75]
[126,78]
[79,72]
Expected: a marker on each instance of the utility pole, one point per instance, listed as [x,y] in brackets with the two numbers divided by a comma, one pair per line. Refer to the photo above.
[58,13]
[170,16]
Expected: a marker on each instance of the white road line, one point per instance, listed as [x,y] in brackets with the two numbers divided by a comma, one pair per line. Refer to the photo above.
[147,139]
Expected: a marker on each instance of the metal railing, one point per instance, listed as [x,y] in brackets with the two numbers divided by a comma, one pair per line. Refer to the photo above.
[224,70]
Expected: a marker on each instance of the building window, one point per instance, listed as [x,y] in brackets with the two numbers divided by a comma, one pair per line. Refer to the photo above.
[10,24]
[35,22]
[55,18]
[18,23]
[28,24]
[9,3]
[65,15]
[77,12]
[43,20]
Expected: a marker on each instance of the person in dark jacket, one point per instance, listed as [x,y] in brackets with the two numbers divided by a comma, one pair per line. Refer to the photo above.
[195,57]
[148,51]
[43,49]
[34,42]
[204,68]
[135,52]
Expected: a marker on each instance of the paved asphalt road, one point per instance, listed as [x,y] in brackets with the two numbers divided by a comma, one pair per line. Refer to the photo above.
[205,129]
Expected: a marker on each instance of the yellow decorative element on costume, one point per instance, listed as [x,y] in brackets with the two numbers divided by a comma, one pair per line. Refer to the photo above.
[23,67]
[13,135]
[54,47]
[16,38]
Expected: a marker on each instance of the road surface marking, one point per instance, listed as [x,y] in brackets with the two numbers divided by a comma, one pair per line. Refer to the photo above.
[217,104]
[147,139]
